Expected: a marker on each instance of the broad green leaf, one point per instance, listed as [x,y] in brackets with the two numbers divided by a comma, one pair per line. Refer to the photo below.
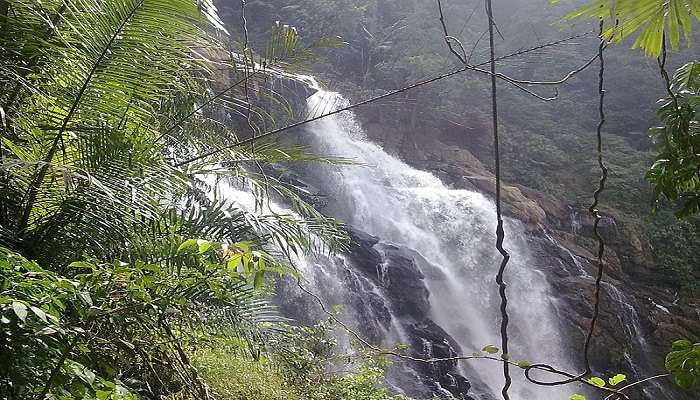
[259,279]
[85,296]
[82,372]
[597,381]
[683,362]
[681,345]
[524,364]
[617,379]
[39,313]
[81,264]
[204,246]
[234,262]
[20,310]
[491,349]
[685,379]
[186,245]
[47,330]
[577,397]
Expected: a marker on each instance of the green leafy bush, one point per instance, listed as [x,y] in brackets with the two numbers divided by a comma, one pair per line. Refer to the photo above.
[683,362]
[118,328]
[676,172]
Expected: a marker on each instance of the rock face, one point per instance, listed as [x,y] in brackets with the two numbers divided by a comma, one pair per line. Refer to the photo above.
[382,288]
[396,272]
[638,320]
[434,342]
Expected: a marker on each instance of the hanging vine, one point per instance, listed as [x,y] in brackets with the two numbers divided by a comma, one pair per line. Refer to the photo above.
[500,233]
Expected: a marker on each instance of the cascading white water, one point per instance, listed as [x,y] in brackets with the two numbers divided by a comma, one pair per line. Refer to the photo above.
[454,230]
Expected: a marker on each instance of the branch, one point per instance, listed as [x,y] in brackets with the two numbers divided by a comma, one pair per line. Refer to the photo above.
[593,209]
[601,245]
[464,59]
[638,383]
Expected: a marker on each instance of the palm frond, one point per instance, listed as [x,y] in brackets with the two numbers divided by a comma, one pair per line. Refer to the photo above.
[654,20]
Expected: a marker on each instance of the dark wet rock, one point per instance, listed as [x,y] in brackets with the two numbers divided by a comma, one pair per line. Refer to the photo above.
[400,276]
[397,272]
[428,340]
[362,250]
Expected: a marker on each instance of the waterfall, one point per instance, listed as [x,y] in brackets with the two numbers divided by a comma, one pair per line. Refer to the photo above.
[453,231]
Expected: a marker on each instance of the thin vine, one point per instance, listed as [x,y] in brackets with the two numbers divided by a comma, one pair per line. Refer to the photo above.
[595,213]
[500,233]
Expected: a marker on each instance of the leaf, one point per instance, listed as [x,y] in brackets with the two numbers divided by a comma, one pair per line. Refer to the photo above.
[617,379]
[524,364]
[20,310]
[683,362]
[81,264]
[204,246]
[597,381]
[685,379]
[186,245]
[46,331]
[577,397]
[82,372]
[259,279]
[653,20]
[39,313]
[491,349]
[234,262]
[687,77]
[85,296]
[103,394]
[680,345]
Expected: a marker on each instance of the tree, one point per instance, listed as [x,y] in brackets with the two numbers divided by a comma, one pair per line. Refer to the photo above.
[111,244]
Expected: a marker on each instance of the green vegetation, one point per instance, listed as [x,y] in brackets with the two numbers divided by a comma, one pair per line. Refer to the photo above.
[235,377]
[301,374]
[678,258]
[114,329]
[683,362]
[124,271]
[655,22]
[117,250]
[676,173]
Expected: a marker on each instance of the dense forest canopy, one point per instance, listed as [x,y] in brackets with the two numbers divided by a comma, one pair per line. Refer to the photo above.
[145,154]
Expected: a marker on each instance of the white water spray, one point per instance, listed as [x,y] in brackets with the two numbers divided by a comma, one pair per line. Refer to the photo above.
[454,230]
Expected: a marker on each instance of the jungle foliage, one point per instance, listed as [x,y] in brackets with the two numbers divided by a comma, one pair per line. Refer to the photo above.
[136,234]
[120,244]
